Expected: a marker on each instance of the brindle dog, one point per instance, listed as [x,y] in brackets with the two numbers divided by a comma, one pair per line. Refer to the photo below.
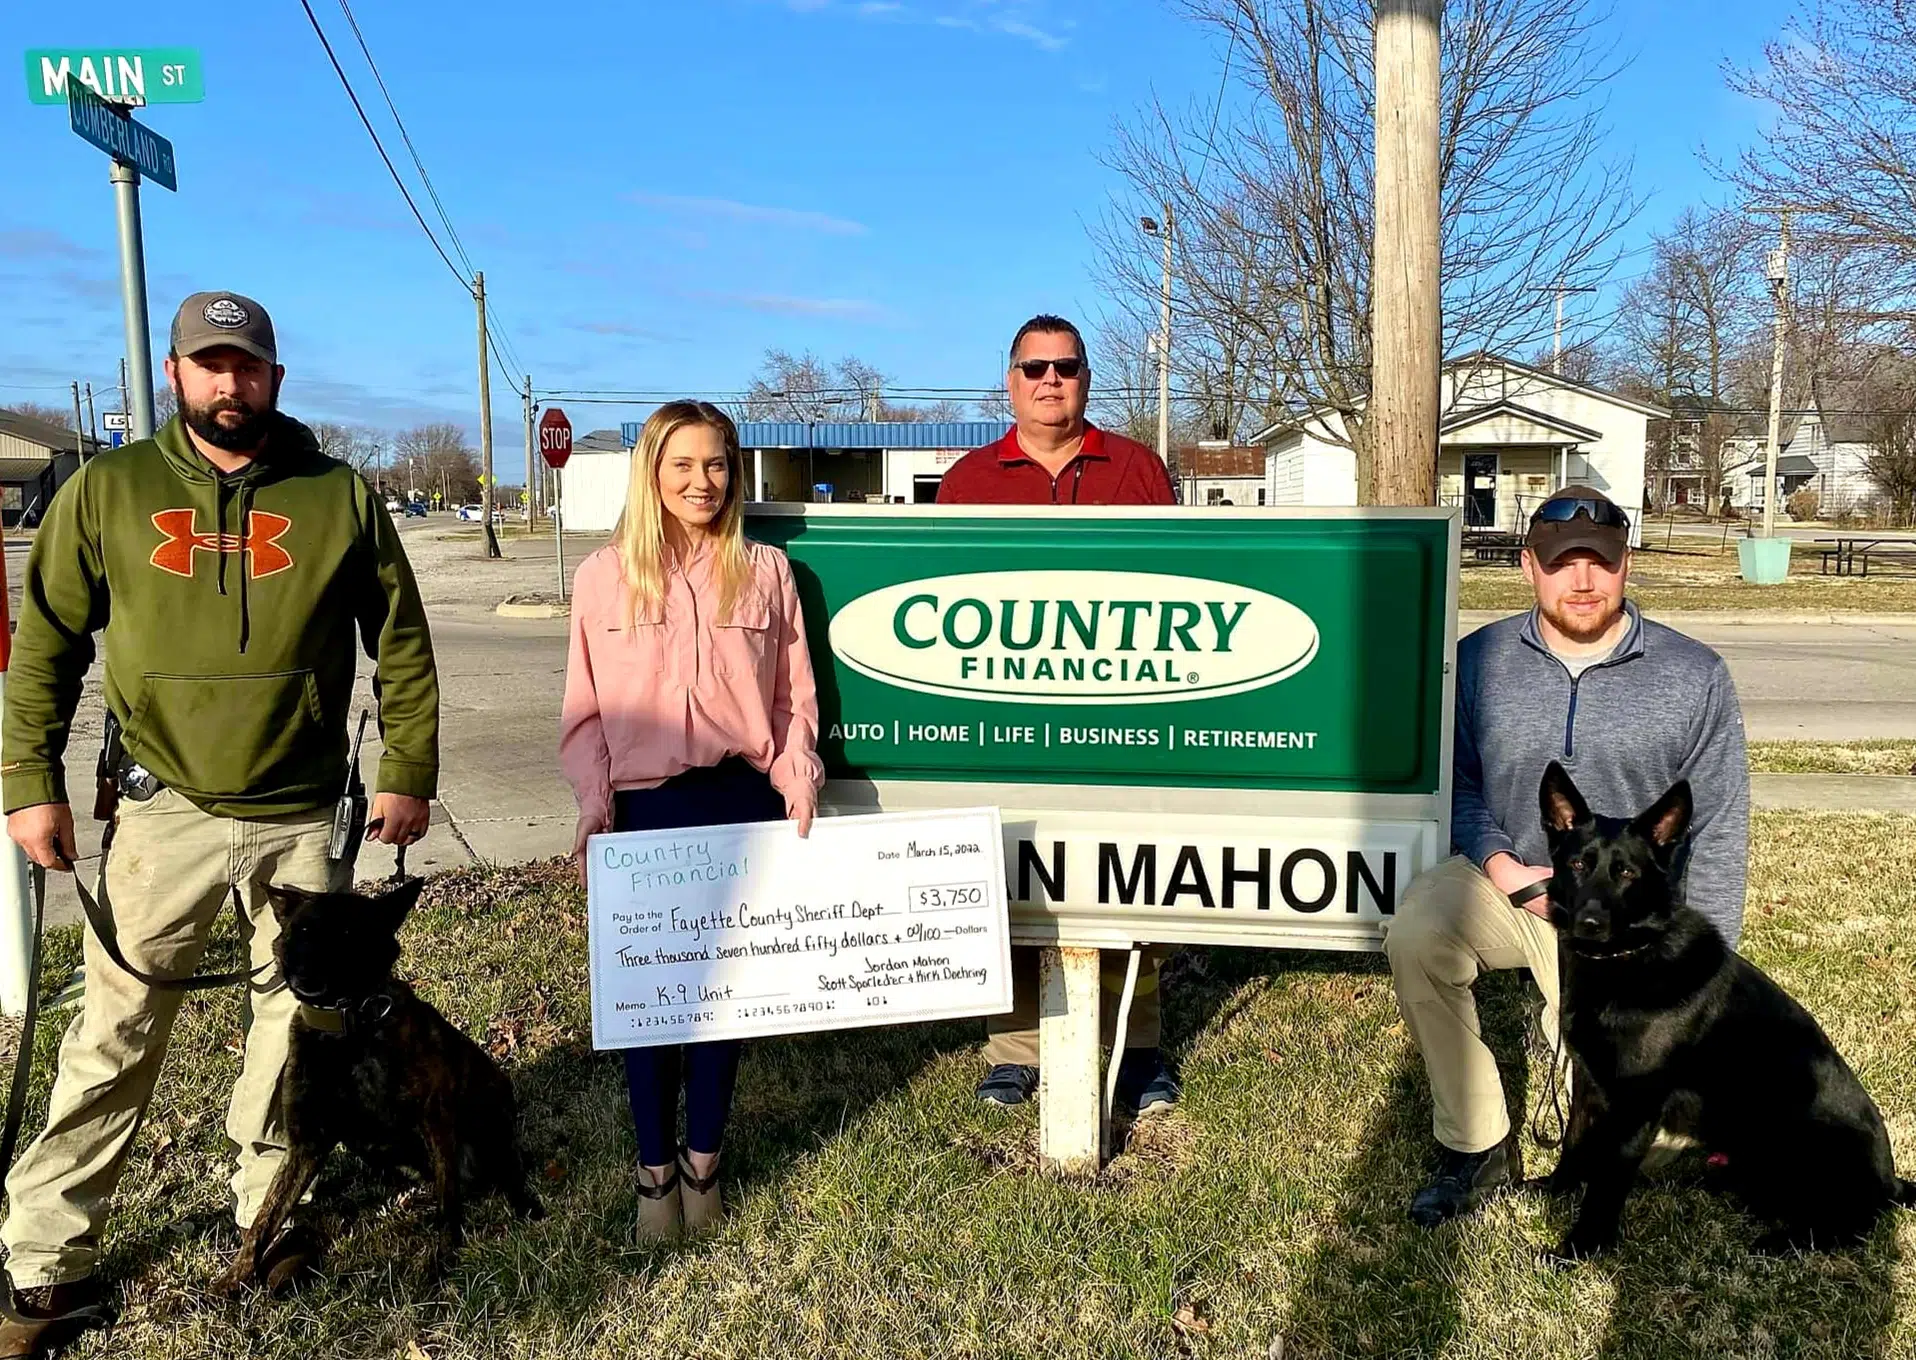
[374,1068]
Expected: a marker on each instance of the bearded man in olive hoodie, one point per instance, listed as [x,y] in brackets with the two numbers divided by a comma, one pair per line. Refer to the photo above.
[227,565]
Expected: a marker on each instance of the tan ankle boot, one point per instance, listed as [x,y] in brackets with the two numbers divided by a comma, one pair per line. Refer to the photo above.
[660,1215]
[700,1197]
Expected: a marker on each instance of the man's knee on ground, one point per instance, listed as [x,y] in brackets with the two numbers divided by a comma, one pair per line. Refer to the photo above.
[1422,936]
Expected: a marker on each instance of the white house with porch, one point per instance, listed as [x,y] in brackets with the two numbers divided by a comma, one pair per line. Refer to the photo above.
[1509,436]
[1825,449]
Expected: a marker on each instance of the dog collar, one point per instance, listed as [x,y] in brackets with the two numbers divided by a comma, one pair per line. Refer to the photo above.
[323,1019]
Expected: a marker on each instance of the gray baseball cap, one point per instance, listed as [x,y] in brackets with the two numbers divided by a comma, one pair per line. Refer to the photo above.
[208,319]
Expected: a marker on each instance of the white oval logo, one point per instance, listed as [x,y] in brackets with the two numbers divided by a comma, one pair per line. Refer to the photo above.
[1074,637]
[225,313]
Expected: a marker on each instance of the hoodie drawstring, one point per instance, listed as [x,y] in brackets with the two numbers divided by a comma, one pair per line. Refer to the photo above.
[246,561]
[219,529]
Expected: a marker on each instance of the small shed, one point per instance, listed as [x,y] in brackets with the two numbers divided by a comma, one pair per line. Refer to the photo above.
[36,459]
[1217,473]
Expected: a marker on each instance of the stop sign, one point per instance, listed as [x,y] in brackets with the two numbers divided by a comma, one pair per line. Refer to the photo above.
[555,437]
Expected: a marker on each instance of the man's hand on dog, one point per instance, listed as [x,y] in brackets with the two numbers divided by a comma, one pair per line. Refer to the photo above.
[1510,873]
[45,832]
[396,819]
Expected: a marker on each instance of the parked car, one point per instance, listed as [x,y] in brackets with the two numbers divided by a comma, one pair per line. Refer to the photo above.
[471,512]
[392,505]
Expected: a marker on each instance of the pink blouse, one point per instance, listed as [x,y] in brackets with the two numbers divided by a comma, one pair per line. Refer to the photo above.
[677,690]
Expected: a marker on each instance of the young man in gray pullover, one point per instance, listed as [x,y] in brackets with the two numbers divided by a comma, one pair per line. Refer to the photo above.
[1629,707]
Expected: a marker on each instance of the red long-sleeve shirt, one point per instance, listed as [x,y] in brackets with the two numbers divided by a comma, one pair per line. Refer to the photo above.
[1107,470]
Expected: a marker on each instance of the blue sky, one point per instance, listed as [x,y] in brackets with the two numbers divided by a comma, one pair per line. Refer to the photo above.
[657,192]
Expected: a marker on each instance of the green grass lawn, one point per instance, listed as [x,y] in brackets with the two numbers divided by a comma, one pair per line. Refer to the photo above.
[882,1212]
[1833,757]
[1705,578]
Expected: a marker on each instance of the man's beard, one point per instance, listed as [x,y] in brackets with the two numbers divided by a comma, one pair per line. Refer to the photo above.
[241,438]
[1581,629]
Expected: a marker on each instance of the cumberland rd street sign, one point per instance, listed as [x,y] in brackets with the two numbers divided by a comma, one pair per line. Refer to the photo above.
[121,75]
[120,137]
[1228,727]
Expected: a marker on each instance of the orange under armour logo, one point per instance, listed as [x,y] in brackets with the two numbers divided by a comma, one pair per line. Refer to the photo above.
[260,543]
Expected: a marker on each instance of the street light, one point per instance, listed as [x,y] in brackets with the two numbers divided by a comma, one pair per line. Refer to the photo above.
[1151,228]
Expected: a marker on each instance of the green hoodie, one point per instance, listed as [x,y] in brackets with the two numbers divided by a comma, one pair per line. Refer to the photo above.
[228,605]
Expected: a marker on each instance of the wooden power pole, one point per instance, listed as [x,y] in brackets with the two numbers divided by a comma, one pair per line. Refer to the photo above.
[1406,308]
[485,420]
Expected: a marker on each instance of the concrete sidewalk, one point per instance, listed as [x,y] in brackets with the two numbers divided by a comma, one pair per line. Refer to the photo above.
[1835,792]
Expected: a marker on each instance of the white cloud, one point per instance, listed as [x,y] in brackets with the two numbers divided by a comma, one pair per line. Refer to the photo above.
[848,309]
[795,219]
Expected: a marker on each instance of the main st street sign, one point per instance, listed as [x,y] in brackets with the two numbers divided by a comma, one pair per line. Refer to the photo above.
[1227,727]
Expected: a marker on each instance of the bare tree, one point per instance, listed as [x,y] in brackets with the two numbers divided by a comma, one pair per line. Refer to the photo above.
[1840,147]
[58,417]
[1273,208]
[1891,463]
[804,387]
[335,440]
[437,458]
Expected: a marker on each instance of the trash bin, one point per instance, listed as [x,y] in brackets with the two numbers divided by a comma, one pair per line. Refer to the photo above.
[1765,561]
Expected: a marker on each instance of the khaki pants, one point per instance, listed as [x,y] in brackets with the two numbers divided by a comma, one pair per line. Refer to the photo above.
[1013,1037]
[1452,926]
[170,874]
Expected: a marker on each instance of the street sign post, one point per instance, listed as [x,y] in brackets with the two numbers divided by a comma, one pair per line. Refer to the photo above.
[135,150]
[106,126]
[124,75]
[555,446]
[113,421]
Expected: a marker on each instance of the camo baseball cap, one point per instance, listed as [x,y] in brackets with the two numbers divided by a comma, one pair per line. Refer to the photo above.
[209,319]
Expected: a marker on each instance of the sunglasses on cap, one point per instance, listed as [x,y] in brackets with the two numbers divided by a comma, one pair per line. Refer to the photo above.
[1034,369]
[1567,508]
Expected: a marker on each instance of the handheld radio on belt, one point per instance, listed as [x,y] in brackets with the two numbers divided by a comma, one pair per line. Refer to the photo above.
[349,814]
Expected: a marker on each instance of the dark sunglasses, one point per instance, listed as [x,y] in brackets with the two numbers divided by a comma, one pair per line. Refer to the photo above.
[1563,510]
[1034,369]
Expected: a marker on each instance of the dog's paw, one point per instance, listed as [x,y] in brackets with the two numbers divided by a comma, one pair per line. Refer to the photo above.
[231,1282]
[1549,1186]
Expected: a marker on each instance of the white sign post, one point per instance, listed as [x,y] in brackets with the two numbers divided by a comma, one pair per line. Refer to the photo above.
[731,932]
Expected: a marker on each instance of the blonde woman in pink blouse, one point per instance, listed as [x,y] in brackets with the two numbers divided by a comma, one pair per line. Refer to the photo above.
[689,701]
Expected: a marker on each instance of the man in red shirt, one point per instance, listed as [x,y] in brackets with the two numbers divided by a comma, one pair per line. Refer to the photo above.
[1052,455]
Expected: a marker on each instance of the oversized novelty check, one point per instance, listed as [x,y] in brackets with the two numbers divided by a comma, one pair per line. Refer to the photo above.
[727,932]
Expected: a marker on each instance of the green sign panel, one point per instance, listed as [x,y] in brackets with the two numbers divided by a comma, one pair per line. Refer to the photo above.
[119,75]
[1252,652]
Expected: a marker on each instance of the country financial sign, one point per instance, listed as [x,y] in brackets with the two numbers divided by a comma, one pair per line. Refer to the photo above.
[1180,650]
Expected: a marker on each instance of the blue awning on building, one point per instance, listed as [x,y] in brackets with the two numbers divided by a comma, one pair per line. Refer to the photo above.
[884,434]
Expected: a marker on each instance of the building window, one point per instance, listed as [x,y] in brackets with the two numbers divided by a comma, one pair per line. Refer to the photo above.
[10,497]
[1261,493]
[1214,496]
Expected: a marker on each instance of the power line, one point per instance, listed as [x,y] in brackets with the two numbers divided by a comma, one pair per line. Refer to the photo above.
[404,193]
[406,137]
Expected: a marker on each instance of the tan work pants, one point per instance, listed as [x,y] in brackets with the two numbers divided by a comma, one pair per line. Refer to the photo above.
[1452,926]
[1013,1036]
[171,870]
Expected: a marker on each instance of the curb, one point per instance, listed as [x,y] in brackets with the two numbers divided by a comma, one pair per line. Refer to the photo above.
[513,607]
[1477,618]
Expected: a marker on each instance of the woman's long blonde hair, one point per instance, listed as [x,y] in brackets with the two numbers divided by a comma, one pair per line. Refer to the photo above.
[640,533]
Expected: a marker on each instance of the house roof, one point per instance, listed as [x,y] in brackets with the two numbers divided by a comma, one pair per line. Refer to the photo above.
[14,471]
[1795,465]
[1464,417]
[1484,359]
[1202,460]
[57,438]
[599,441]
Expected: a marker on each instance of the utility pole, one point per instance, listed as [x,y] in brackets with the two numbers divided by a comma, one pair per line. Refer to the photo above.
[92,424]
[79,427]
[485,419]
[1779,274]
[123,405]
[1164,230]
[1406,316]
[1556,332]
[139,344]
[530,482]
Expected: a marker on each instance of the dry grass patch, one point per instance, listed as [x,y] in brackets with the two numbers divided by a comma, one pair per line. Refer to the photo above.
[1833,757]
[881,1211]
[1704,578]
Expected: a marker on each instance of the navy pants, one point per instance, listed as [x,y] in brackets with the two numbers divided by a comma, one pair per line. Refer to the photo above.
[731,791]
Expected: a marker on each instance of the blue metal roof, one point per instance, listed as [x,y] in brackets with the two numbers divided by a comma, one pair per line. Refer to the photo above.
[884,434]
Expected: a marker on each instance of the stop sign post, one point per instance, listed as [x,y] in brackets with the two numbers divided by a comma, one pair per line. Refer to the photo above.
[555,446]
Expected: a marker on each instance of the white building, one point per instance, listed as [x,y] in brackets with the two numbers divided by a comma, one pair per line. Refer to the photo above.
[1510,436]
[1822,449]
[1217,473]
[860,462]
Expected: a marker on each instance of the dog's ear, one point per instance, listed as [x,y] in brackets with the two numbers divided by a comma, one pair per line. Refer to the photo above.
[1563,807]
[285,901]
[394,904]
[1667,821]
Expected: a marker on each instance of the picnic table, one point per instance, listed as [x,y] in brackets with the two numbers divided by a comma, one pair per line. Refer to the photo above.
[1850,554]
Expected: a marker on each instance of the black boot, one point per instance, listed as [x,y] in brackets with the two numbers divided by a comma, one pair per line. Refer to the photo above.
[1464,1180]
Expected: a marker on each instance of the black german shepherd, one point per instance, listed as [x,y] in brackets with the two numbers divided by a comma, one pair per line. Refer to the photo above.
[378,1070]
[1669,1028]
